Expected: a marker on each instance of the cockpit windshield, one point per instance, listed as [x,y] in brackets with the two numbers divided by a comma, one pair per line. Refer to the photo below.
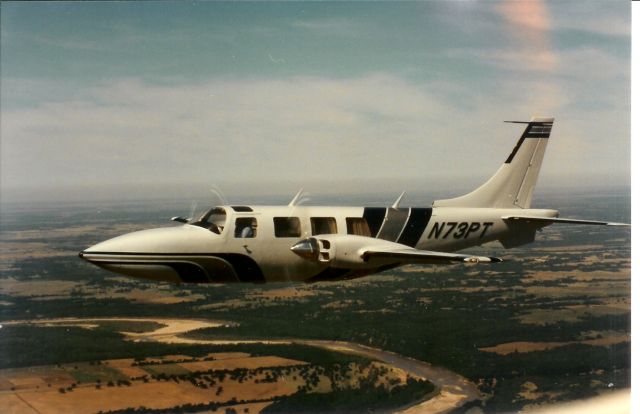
[213,219]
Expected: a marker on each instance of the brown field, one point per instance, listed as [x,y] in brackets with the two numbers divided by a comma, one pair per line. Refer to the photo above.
[34,377]
[343,304]
[574,248]
[229,355]
[38,389]
[88,399]
[530,392]
[578,275]
[124,366]
[580,289]
[148,296]
[165,358]
[251,408]
[612,340]
[12,403]
[572,313]
[549,316]
[18,245]
[62,289]
[466,289]
[10,251]
[604,259]
[270,297]
[54,288]
[522,347]
[227,304]
[373,279]
[247,363]
[287,293]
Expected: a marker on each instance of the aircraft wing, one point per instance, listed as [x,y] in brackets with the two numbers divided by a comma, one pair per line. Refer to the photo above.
[351,251]
[409,255]
[551,220]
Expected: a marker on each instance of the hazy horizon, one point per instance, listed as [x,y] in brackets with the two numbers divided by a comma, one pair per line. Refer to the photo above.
[416,190]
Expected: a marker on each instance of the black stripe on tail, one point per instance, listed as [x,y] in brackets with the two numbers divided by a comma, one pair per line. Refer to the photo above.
[533,130]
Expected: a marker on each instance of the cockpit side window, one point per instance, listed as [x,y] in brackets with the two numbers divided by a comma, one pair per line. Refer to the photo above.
[214,219]
[246,227]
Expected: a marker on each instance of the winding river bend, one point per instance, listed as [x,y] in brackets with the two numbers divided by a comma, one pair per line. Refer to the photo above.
[453,389]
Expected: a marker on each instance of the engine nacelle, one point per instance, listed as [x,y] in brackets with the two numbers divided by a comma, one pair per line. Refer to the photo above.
[340,250]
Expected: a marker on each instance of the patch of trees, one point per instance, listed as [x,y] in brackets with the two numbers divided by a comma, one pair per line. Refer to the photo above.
[187,408]
[365,398]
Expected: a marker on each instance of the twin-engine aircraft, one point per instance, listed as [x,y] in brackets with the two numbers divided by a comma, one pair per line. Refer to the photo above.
[260,244]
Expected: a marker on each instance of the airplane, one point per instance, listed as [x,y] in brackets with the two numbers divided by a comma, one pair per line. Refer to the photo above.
[258,244]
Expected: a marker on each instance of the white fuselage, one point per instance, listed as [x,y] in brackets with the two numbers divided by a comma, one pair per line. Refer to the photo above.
[254,243]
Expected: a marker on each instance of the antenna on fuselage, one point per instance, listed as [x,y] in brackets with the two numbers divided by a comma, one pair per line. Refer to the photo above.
[396,204]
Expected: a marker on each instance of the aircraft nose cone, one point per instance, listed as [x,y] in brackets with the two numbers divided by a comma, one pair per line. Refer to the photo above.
[160,240]
[166,240]
[307,248]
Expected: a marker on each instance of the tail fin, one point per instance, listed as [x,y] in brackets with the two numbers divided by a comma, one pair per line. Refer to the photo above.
[512,185]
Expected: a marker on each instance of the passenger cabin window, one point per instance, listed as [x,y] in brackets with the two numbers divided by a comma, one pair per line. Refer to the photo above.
[286,226]
[323,225]
[246,227]
[358,226]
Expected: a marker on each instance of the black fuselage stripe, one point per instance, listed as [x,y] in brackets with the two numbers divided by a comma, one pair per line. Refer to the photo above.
[191,273]
[374,216]
[244,266]
[155,254]
[187,272]
[418,221]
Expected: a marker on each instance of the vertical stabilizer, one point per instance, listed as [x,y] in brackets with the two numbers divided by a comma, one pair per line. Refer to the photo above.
[512,185]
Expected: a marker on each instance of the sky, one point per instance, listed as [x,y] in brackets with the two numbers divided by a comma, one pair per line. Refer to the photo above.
[150,99]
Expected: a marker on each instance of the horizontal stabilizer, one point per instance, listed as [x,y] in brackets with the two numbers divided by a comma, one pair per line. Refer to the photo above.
[410,255]
[551,220]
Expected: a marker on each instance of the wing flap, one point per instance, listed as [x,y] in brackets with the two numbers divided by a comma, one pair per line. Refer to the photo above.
[551,220]
[409,255]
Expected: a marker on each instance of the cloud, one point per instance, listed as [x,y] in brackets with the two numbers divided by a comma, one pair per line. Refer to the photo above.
[287,132]
[511,59]
[530,15]
[529,22]
[221,129]
[597,17]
